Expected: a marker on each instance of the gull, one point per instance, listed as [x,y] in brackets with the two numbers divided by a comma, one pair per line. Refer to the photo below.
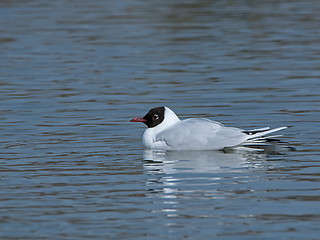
[167,132]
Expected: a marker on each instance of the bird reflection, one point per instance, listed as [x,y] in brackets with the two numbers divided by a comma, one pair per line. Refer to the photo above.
[205,184]
[201,161]
[175,177]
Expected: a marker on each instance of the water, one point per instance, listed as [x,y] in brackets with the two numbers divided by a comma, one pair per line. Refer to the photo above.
[74,72]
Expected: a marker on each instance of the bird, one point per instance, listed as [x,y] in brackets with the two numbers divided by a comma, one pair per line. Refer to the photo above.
[167,132]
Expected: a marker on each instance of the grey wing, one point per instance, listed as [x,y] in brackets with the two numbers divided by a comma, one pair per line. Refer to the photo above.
[201,134]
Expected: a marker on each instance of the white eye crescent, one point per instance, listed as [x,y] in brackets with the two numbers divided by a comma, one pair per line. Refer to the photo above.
[155,117]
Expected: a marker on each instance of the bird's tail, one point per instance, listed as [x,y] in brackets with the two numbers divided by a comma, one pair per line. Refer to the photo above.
[261,136]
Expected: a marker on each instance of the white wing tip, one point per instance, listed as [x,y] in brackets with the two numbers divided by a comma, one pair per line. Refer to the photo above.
[261,134]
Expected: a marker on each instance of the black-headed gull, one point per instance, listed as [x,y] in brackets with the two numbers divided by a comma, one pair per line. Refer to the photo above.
[167,132]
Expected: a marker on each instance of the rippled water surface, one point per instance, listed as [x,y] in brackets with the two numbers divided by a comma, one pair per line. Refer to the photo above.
[72,74]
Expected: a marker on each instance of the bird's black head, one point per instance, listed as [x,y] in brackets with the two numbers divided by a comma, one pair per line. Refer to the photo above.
[154,117]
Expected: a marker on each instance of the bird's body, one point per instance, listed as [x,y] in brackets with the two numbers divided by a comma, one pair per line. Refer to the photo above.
[167,132]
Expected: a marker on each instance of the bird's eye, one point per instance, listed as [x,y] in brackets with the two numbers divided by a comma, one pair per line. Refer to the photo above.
[155,117]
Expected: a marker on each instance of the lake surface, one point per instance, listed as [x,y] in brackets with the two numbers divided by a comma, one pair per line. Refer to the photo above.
[72,75]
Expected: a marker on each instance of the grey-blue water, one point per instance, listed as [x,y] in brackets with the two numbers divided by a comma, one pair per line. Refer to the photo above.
[73,73]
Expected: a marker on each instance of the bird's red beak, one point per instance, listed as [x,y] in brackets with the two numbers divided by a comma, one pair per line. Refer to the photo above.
[139,119]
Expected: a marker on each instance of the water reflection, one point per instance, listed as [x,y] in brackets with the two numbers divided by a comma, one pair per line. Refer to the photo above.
[193,178]
[201,161]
